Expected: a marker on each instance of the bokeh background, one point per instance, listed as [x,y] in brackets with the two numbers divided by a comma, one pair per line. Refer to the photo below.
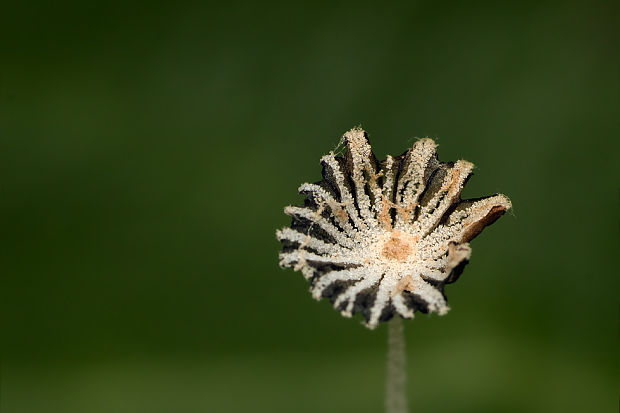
[147,151]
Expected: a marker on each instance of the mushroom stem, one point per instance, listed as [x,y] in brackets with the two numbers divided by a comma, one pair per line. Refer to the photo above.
[396,377]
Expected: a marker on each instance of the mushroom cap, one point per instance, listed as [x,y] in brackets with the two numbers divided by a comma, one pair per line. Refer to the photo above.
[383,238]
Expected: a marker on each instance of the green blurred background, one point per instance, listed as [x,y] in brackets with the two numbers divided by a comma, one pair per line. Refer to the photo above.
[147,151]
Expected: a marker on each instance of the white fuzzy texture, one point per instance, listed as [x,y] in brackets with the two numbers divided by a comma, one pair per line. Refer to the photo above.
[383,238]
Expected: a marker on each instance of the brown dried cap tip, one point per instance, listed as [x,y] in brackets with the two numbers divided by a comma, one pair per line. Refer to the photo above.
[383,238]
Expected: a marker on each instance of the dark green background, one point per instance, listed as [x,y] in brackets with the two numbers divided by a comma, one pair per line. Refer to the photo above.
[147,152]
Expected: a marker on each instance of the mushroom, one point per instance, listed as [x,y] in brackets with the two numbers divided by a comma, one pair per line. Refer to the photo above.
[383,238]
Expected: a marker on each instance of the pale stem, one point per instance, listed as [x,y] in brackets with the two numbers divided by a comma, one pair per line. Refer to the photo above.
[396,377]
